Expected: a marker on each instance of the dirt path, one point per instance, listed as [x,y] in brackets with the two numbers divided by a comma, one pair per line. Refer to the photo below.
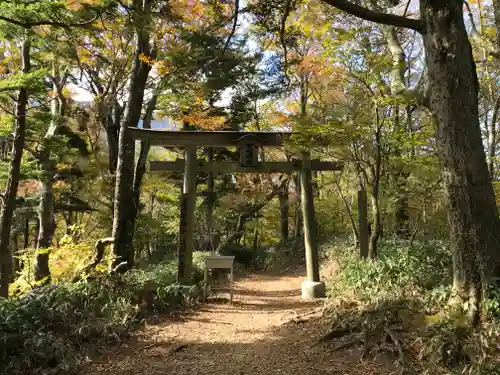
[253,336]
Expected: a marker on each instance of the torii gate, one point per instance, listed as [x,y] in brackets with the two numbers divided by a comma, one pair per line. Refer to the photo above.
[248,144]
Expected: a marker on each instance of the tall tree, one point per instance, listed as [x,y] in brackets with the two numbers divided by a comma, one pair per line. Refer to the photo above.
[10,193]
[124,218]
[473,216]
[45,157]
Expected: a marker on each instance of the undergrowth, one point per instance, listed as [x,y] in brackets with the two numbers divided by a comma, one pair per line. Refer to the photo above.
[270,258]
[51,329]
[398,306]
[47,330]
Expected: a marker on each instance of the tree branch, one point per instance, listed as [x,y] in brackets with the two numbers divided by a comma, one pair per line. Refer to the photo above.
[288,9]
[489,47]
[229,38]
[349,212]
[378,17]
[235,24]
[419,92]
[10,88]
[30,24]
[244,216]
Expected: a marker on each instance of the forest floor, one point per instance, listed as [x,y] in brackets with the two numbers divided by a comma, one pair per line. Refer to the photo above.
[267,330]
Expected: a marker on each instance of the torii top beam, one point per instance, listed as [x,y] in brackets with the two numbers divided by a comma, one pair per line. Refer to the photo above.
[209,138]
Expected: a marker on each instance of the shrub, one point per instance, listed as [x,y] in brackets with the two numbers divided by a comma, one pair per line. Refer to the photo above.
[397,304]
[282,256]
[48,327]
[401,270]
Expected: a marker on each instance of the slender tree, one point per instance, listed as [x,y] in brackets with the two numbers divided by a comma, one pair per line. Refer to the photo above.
[10,193]
[45,157]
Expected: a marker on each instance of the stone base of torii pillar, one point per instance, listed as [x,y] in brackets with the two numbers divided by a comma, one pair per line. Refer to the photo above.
[313,289]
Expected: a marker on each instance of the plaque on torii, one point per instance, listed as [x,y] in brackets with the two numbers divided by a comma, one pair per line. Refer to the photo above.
[249,150]
[248,144]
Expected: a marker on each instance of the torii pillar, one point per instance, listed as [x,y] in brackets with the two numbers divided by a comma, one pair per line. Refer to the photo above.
[186,229]
[312,287]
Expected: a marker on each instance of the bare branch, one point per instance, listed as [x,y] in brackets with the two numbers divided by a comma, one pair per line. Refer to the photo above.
[282,38]
[230,37]
[235,24]
[378,17]
[406,8]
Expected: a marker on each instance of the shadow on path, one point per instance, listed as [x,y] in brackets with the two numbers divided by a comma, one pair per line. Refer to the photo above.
[255,336]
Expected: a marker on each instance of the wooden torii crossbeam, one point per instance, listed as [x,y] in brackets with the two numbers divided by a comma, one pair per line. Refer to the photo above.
[209,138]
[248,144]
[232,167]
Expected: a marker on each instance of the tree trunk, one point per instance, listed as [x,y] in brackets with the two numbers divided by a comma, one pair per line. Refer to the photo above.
[376,229]
[109,114]
[402,215]
[210,202]
[374,173]
[26,233]
[363,226]
[492,138]
[10,192]
[255,239]
[46,219]
[298,212]
[284,211]
[99,250]
[36,231]
[140,169]
[473,215]
[14,251]
[123,223]
[248,214]
[47,171]
[113,120]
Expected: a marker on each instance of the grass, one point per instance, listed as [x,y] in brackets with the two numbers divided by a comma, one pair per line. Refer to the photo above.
[397,306]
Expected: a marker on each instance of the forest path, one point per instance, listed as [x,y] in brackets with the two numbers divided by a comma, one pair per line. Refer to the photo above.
[256,335]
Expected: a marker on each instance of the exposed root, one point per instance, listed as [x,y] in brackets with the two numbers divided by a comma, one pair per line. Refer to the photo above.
[349,344]
[397,343]
[176,347]
[300,318]
[337,333]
